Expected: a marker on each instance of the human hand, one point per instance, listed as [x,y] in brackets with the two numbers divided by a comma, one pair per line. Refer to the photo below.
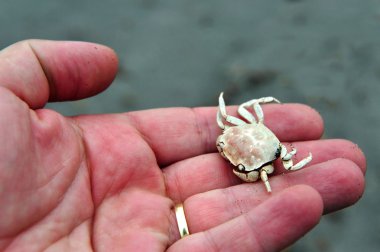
[110,182]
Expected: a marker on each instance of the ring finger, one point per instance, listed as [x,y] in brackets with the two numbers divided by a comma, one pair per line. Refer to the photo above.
[295,211]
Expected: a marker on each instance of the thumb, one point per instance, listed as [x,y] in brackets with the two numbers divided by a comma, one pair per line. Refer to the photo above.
[38,71]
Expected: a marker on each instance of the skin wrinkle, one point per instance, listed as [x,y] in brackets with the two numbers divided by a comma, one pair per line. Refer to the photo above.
[178,188]
[224,172]
[127,220]
[75,80]
[111,172]
[68,243]
[46,217]
[172,229]
[132,175]
[41,185]
[54,242]
[70,231]
[161,191]
[83,145]
[107,193]
[87,159]
[80,160]
[209,237]
[50,180]
[165,178]
[52,92]
[250,224]
[85,153]
[208,137]
[135,124]
[92,228]
[58,202]
[205,136]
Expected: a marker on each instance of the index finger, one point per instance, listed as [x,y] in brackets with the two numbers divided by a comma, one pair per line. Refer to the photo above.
[179,133]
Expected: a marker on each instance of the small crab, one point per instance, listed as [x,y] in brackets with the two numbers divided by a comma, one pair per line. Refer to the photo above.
[250,146]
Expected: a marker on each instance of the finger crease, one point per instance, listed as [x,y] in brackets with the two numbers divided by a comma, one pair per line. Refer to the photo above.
[211,241]
[178,198]
[49,81]
[204,135]
[254,234]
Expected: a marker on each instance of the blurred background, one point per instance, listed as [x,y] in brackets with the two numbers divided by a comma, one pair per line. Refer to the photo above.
[323,53]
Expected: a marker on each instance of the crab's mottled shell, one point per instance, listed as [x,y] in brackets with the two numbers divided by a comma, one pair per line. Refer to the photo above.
[250,145]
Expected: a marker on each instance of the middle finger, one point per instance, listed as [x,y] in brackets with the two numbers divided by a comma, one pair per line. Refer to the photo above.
[340,182]
[211,171]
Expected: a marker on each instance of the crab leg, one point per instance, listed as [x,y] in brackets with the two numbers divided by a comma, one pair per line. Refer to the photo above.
[285,155]
[264,178]
[287,161]
[256,106]
[268,169]
[222,114]
[243,112]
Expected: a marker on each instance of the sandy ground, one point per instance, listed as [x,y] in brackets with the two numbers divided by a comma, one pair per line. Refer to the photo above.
[183,53]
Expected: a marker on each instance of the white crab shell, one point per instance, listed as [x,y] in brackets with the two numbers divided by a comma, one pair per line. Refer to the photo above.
[249,147]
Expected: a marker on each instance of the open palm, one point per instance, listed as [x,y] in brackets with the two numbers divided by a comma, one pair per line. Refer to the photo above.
[110,182]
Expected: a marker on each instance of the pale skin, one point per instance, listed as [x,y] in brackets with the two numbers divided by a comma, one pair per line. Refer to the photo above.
[110,182]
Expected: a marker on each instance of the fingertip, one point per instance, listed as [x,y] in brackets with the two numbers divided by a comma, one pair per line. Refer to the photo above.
[316,121]
[298,121]
[349,151]
[75,69]
[360,159]
[348,186]
[310,201]
[297,209]
[340,182]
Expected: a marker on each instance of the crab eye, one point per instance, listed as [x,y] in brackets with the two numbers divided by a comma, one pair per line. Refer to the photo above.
[241,167]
